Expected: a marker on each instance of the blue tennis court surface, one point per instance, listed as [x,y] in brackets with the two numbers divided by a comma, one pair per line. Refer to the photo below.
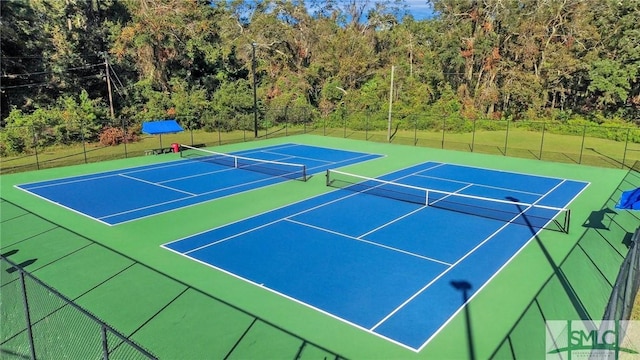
[129,194]
[386,266]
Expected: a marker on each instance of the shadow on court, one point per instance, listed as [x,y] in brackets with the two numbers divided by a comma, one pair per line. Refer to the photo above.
[557,271]
[597,219]
[22,265]
[627,240]
[464,287]
[578,284]
[10,253]
[14,354]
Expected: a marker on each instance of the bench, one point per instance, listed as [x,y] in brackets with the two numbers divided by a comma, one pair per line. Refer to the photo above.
[158,151]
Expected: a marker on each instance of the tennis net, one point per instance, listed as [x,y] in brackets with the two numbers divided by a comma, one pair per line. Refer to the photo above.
[509,210]
[274,168]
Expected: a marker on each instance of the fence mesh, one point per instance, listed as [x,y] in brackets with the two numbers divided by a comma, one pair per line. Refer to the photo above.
[39,322]
[34,148]
[597,280]
[13,331]
[627,283]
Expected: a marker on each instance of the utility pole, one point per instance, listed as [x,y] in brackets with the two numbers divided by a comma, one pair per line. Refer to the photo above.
[390,103]
[255,95]
[106,65]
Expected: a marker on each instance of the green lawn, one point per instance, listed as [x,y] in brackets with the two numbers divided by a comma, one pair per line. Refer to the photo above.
[519,143]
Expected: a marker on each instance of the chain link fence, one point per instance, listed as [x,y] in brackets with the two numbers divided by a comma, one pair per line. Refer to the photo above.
[31,148]
[627,283]
[597,280]
[40,323]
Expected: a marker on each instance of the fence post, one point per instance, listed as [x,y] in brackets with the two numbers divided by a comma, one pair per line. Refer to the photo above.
[626,143]
[35,146]
[126,135]
[324,125]
[473,135]
[345,126]
[415,130]
[584,133]
[105,343]
[27,313]
[286,122]
[544,125]
[366,125]
[444,125]
[506,138]
[629,289]
[84,145]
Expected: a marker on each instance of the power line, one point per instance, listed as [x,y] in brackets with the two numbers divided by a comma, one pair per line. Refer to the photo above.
[13,76]
[42,84]
[115,75]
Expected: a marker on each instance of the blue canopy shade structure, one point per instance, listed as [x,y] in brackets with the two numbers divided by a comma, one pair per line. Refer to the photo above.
[160,127]
[630,200]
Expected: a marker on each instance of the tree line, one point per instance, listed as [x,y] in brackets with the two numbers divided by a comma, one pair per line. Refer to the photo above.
[96,61]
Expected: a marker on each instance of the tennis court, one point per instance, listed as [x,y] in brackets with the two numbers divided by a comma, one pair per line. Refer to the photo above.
[373,266]
[125,195]
[387,255]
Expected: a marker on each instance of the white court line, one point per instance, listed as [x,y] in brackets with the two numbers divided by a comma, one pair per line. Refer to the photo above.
[181,199]
[261,226]
[400,218]
[479,185]
[455,264]
[299,157]
[297,301]
[392,221]
[207,193]
[337,163]
[516,172]
[533,236]
[259,150]
[197,175]
[417,293]
[324,311]
[107,174]
[63,206]
[231,237]
[72,180]
[368,242]
[156,184]
[350,194]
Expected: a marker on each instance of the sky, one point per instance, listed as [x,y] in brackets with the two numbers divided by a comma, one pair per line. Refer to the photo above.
[419,9]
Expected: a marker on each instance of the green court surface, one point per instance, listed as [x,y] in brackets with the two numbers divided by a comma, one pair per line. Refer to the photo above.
[180,309]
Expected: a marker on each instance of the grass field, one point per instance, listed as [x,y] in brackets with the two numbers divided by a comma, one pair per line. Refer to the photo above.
[178,308]
[519,143]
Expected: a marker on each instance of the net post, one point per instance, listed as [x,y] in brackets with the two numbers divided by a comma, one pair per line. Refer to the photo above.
[567,221]
[327,182]
[304,173]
